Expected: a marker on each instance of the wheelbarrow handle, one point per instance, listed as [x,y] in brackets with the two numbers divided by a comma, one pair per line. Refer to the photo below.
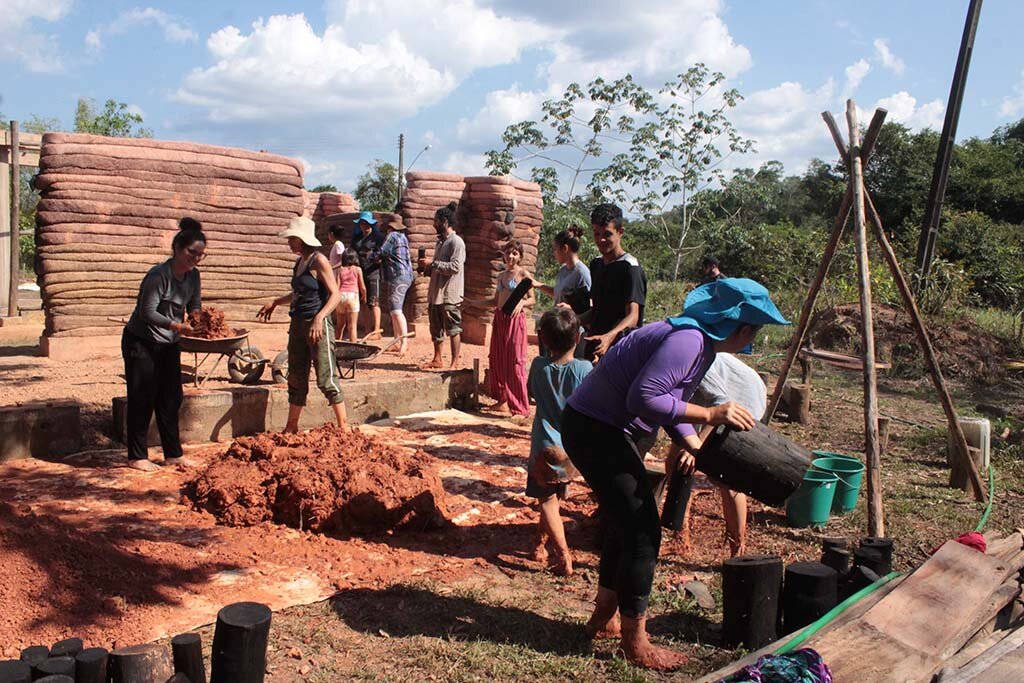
[397,339]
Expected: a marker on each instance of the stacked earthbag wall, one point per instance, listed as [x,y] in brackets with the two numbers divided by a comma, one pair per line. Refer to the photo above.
[109,209]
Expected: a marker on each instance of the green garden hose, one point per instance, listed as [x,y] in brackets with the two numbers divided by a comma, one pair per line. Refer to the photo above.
[991,496]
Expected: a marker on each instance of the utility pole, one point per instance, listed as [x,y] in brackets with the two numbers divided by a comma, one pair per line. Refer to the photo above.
[401,164]
[12,295]
[940,173]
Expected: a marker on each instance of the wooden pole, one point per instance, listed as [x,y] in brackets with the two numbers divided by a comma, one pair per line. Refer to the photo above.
[187,650]
[751,588]
[931,361]
[876,514]
[12,295]
[240,643]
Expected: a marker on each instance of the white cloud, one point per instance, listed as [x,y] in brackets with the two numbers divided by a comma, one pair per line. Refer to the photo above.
[501,108]
[1013,104]
[21,41]
[887,58]
[465,163]
[903,108]
[855,73]
[173,29]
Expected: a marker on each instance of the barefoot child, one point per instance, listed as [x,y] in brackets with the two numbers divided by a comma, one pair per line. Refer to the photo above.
[507,355]
[552,379]
[353,290]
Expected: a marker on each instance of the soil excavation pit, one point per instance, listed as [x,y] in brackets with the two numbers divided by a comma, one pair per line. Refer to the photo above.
[327,481]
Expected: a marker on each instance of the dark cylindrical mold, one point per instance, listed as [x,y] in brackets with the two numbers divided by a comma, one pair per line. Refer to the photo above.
[240,643]
[69,647]
[91,665]
[883,545]
[676,499]
[837,558]
[140,664]
[858,578]
[33,654]
[52,666]
[56,678]
[187,649]
[761,462]
[751,587]
[15,671]
[837,542]
[809,591]
[873,559]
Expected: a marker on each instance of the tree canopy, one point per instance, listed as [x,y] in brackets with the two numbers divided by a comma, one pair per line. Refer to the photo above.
[377,189]
[114,120]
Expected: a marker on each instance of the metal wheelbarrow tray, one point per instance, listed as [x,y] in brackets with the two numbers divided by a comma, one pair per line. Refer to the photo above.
[245,362]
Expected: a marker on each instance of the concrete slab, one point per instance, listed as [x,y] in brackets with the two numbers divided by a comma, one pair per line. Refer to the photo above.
[221,414]
[38,430]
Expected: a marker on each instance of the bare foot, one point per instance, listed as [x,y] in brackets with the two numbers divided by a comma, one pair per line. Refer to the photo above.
[638,650]
[143,465]
[183,461]
[497,409]
[432,365]
[540,553]
[606,629]
[562,566]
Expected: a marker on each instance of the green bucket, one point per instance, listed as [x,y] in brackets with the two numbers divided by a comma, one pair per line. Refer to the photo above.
[811,502]
[849,472]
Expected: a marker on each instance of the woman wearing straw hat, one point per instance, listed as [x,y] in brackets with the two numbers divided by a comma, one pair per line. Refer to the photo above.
[398,276]
[644,383]
[313,298]
[367,241]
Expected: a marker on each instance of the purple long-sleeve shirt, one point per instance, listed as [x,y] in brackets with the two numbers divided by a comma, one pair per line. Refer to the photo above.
[646,379]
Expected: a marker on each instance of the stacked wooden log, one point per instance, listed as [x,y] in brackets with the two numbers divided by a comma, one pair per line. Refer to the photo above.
[109,209]
[425,193]
[499,209]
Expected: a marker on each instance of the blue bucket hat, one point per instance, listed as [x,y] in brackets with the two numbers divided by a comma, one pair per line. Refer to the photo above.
[366,216]
[718,308]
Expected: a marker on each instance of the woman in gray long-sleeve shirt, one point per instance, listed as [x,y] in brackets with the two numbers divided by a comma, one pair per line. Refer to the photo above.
[149,345]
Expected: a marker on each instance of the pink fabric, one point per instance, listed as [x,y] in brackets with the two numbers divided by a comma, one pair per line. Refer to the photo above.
[507,361]
[348,279]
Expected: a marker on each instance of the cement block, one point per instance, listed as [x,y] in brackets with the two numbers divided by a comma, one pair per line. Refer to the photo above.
[40,430]
[217,415]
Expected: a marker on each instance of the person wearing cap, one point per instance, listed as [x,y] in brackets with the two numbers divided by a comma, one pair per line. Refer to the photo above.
[710,270]
[398,276]
[642,384]
[367,241]
[313,298]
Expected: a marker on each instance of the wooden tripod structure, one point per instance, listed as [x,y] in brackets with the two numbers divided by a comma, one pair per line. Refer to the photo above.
[857,202]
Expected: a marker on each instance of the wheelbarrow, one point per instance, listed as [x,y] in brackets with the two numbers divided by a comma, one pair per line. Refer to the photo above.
[349,354]
[245,361]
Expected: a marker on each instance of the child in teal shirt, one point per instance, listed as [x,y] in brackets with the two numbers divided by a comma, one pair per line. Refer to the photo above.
[552,379]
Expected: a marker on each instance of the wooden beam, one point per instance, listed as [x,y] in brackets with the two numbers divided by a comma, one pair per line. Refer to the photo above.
[812,295]
[961,452]
[837,137]
[876,514]
[871,136]
[15,256]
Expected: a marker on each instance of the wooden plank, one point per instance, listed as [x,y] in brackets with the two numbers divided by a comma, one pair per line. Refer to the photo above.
[860,652]
[1006,656]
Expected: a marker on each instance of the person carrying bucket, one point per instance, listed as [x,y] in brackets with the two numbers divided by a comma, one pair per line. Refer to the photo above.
[644,383]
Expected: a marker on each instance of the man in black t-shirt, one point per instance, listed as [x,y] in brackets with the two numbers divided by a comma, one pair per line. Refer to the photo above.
[709,270]
[618,285]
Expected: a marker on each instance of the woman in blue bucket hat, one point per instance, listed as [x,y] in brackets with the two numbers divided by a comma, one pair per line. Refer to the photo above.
[367,241]
[642,384]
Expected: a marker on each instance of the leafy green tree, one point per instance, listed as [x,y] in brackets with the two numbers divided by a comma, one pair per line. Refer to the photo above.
[114,120]
[377,189]
[38,124]
[325,187]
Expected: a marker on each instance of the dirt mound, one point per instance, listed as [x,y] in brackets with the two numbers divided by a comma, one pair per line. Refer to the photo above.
[326,480]
[209,323]
[965,351]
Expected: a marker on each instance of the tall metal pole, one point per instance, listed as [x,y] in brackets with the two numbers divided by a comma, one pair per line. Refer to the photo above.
[401,164]
[940,173]
[12,295]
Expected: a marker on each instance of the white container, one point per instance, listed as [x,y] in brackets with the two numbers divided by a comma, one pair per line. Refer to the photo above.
[978,432]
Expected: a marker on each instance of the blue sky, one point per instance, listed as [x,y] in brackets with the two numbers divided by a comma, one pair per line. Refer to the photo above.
[335,82]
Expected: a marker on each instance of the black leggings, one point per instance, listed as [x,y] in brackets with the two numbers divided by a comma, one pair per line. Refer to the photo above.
[153,374]
[611,463]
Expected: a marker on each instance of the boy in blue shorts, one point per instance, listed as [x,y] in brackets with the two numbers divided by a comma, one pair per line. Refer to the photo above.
[552,380]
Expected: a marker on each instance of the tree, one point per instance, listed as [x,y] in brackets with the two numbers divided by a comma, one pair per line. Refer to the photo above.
[114,120]
[38,125]
[645,152]
[325,187]
[377,189]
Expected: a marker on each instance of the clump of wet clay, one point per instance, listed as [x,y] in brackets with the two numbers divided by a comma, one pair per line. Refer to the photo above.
[209,323]
[326,480]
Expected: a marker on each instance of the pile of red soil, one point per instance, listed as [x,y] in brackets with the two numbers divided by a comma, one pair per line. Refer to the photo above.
[965,351]
[209,323]
[327,480]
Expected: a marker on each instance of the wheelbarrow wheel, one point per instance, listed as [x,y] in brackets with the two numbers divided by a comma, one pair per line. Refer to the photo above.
[246,365]
[279,368]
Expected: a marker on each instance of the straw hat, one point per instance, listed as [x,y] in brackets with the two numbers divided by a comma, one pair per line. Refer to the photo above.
[304,229]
